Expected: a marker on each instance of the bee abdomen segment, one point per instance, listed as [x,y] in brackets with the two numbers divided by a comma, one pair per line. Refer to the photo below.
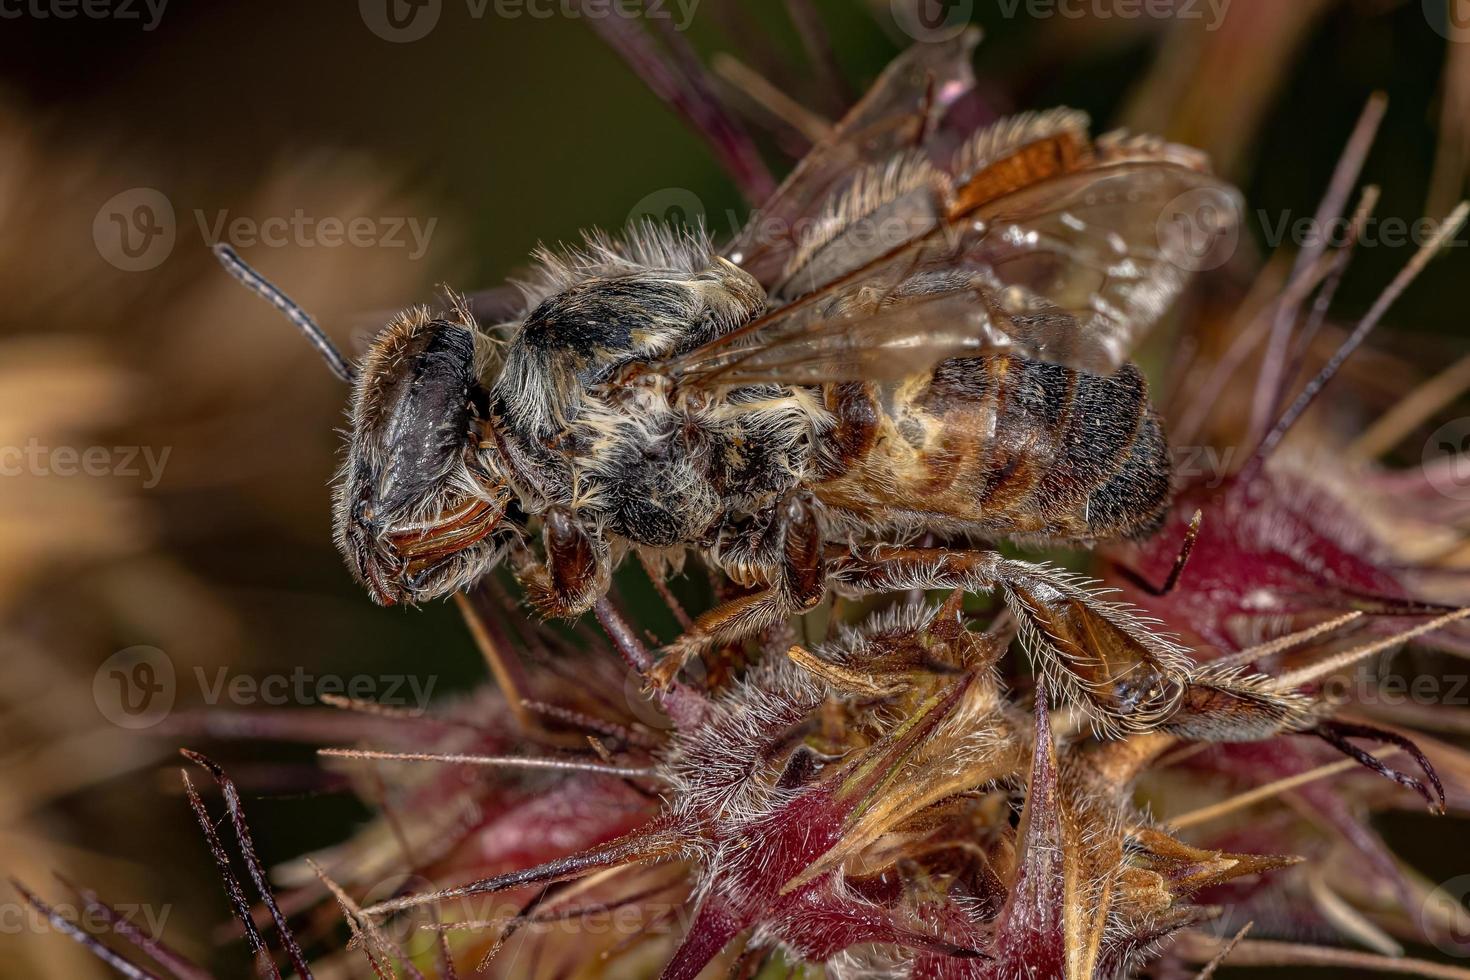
[1003,446]
[1133,502]
[1031,404]
[857,418]
[1094,442]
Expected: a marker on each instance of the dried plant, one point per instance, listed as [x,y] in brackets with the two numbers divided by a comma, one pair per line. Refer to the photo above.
[885,786]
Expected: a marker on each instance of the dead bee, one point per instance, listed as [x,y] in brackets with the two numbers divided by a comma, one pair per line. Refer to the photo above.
[941,351]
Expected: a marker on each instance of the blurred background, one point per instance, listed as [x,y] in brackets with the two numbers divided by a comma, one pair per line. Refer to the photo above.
[167,442]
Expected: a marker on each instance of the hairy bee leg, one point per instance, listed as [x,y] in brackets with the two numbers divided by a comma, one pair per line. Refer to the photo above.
[1230,705]
[726,622]
[1095,652]
[801,583]
[841,678]
[1337,733]
[577,570]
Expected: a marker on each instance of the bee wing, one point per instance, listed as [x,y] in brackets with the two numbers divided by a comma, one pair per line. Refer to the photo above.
[1072,269]
[903,338]
[1088,262]
[902,110]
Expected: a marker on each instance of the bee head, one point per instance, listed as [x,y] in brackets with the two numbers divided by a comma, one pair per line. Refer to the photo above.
[421,501]
[422,497]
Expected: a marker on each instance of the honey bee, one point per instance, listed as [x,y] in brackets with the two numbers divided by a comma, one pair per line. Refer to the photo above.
[910,343]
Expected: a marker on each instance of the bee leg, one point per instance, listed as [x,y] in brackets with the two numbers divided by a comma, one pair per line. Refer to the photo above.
[1230,705]
[1096,652]
[1191,535]
[726,622]
[801,583]
[747,545]
[576,573]
[1337,733]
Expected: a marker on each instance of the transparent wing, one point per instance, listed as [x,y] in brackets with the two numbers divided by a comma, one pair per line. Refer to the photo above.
[1072,269]
[903,338]
[901,111]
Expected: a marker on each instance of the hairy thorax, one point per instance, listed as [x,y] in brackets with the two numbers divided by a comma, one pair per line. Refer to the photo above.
[662,472]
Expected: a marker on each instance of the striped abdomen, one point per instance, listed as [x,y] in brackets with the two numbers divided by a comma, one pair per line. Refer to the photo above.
[1000,446]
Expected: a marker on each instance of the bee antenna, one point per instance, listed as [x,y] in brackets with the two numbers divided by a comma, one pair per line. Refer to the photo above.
[264,288]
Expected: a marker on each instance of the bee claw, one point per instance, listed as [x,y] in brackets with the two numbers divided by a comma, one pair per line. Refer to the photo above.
[661,676]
